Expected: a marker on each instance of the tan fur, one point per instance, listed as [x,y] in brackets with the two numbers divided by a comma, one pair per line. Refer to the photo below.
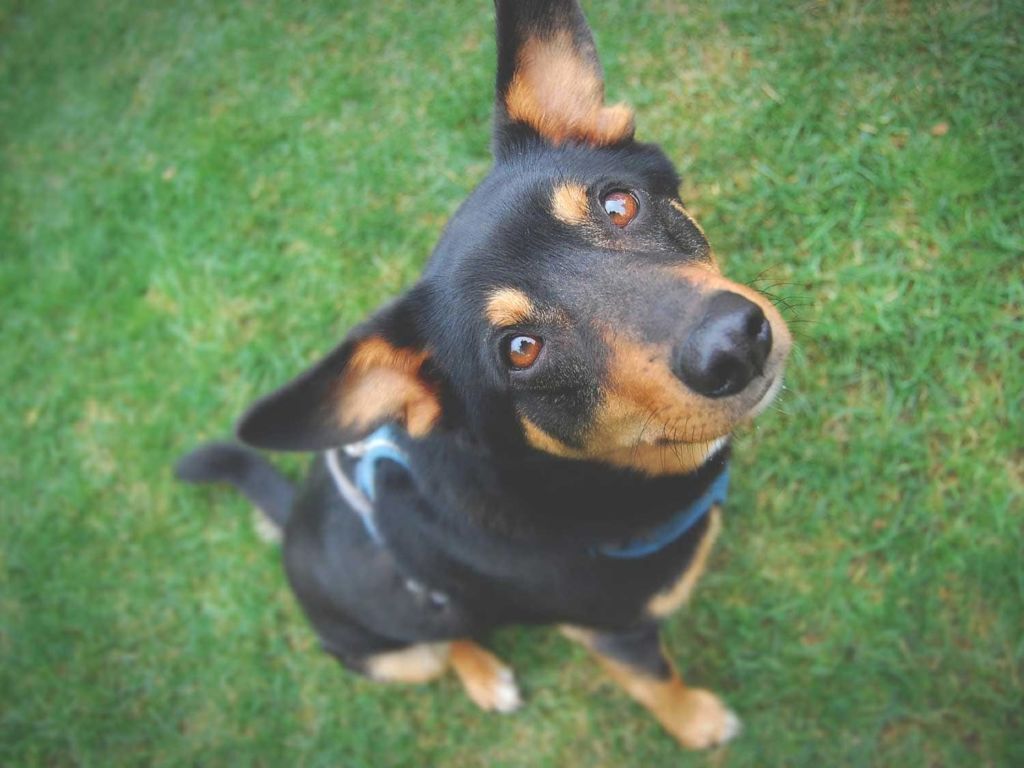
[653,460]
[382,381]
[696,718]
[507,307]
[668,600]
[416,664]
[644,400]
[487,681]
[570,204]
[559,93]
[648,419]
[577,634]
[542,441]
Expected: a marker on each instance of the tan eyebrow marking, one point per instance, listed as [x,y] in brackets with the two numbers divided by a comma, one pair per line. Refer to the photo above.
[508,306]
[675,595]
[570,204]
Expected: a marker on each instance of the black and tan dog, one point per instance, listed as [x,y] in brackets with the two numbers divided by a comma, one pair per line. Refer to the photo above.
[537,431]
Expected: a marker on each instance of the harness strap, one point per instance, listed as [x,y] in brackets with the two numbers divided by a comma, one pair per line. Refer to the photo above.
[360,494]
[661,536]
[382,445]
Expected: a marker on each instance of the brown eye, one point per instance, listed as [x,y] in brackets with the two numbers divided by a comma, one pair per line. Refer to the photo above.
[522,351]
[621,207]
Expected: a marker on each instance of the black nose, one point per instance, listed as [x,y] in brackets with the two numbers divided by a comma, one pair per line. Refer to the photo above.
[728,347]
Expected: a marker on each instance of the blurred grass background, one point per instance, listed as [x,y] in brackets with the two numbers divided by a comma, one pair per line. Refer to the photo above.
[196,198]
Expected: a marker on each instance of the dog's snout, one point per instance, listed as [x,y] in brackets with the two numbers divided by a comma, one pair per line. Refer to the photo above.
[727,348]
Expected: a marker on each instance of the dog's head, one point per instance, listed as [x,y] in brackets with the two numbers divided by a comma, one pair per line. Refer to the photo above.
[572,305]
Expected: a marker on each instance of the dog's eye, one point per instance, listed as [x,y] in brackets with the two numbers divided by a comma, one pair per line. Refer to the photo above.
[522,351]
[621,207]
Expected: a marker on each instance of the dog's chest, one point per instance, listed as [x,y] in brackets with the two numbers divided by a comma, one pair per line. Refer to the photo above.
[443,562]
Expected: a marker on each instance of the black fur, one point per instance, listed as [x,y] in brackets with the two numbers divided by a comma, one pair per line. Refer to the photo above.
[638,648]
[504,530]
[245,469]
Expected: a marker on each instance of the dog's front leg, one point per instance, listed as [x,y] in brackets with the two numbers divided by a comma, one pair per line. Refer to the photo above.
[636,660]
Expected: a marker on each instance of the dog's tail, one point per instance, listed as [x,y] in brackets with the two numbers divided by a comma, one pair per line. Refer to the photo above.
[245,469]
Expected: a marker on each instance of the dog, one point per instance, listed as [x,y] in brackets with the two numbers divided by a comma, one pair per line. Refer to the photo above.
[537,431]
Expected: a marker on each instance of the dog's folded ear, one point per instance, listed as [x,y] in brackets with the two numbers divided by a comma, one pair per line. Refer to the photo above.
[380,373]
[549,78]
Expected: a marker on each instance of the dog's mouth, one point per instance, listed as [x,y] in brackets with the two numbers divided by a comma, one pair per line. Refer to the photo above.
[680,443]
[714,429]
[771,390]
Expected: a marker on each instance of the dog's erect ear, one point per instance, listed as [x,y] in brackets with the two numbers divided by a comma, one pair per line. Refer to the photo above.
[549,77]
[380,373]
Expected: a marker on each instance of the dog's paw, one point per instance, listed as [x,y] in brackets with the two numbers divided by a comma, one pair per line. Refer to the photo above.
[489,683]
[498,694]
[704,721]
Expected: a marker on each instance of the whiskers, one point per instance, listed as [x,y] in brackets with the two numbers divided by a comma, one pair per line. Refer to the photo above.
[640,435]
[789,305]
[671,440]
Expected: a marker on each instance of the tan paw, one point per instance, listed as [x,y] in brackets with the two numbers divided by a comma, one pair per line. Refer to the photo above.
[498,693]
[414,664]
[489,683]
[704,721]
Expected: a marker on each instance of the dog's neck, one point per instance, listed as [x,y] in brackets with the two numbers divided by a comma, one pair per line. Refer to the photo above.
[535,495]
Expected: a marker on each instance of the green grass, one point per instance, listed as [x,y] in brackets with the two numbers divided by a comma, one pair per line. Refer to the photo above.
[196,198]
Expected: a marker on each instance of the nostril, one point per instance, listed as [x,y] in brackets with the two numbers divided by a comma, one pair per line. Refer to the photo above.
[761,343]
[730,375]
[756,323]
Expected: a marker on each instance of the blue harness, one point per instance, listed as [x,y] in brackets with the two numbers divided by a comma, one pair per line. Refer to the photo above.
[382,445]
[361,492]
[672,530]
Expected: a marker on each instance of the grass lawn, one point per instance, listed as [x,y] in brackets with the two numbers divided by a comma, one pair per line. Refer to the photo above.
[197,198]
